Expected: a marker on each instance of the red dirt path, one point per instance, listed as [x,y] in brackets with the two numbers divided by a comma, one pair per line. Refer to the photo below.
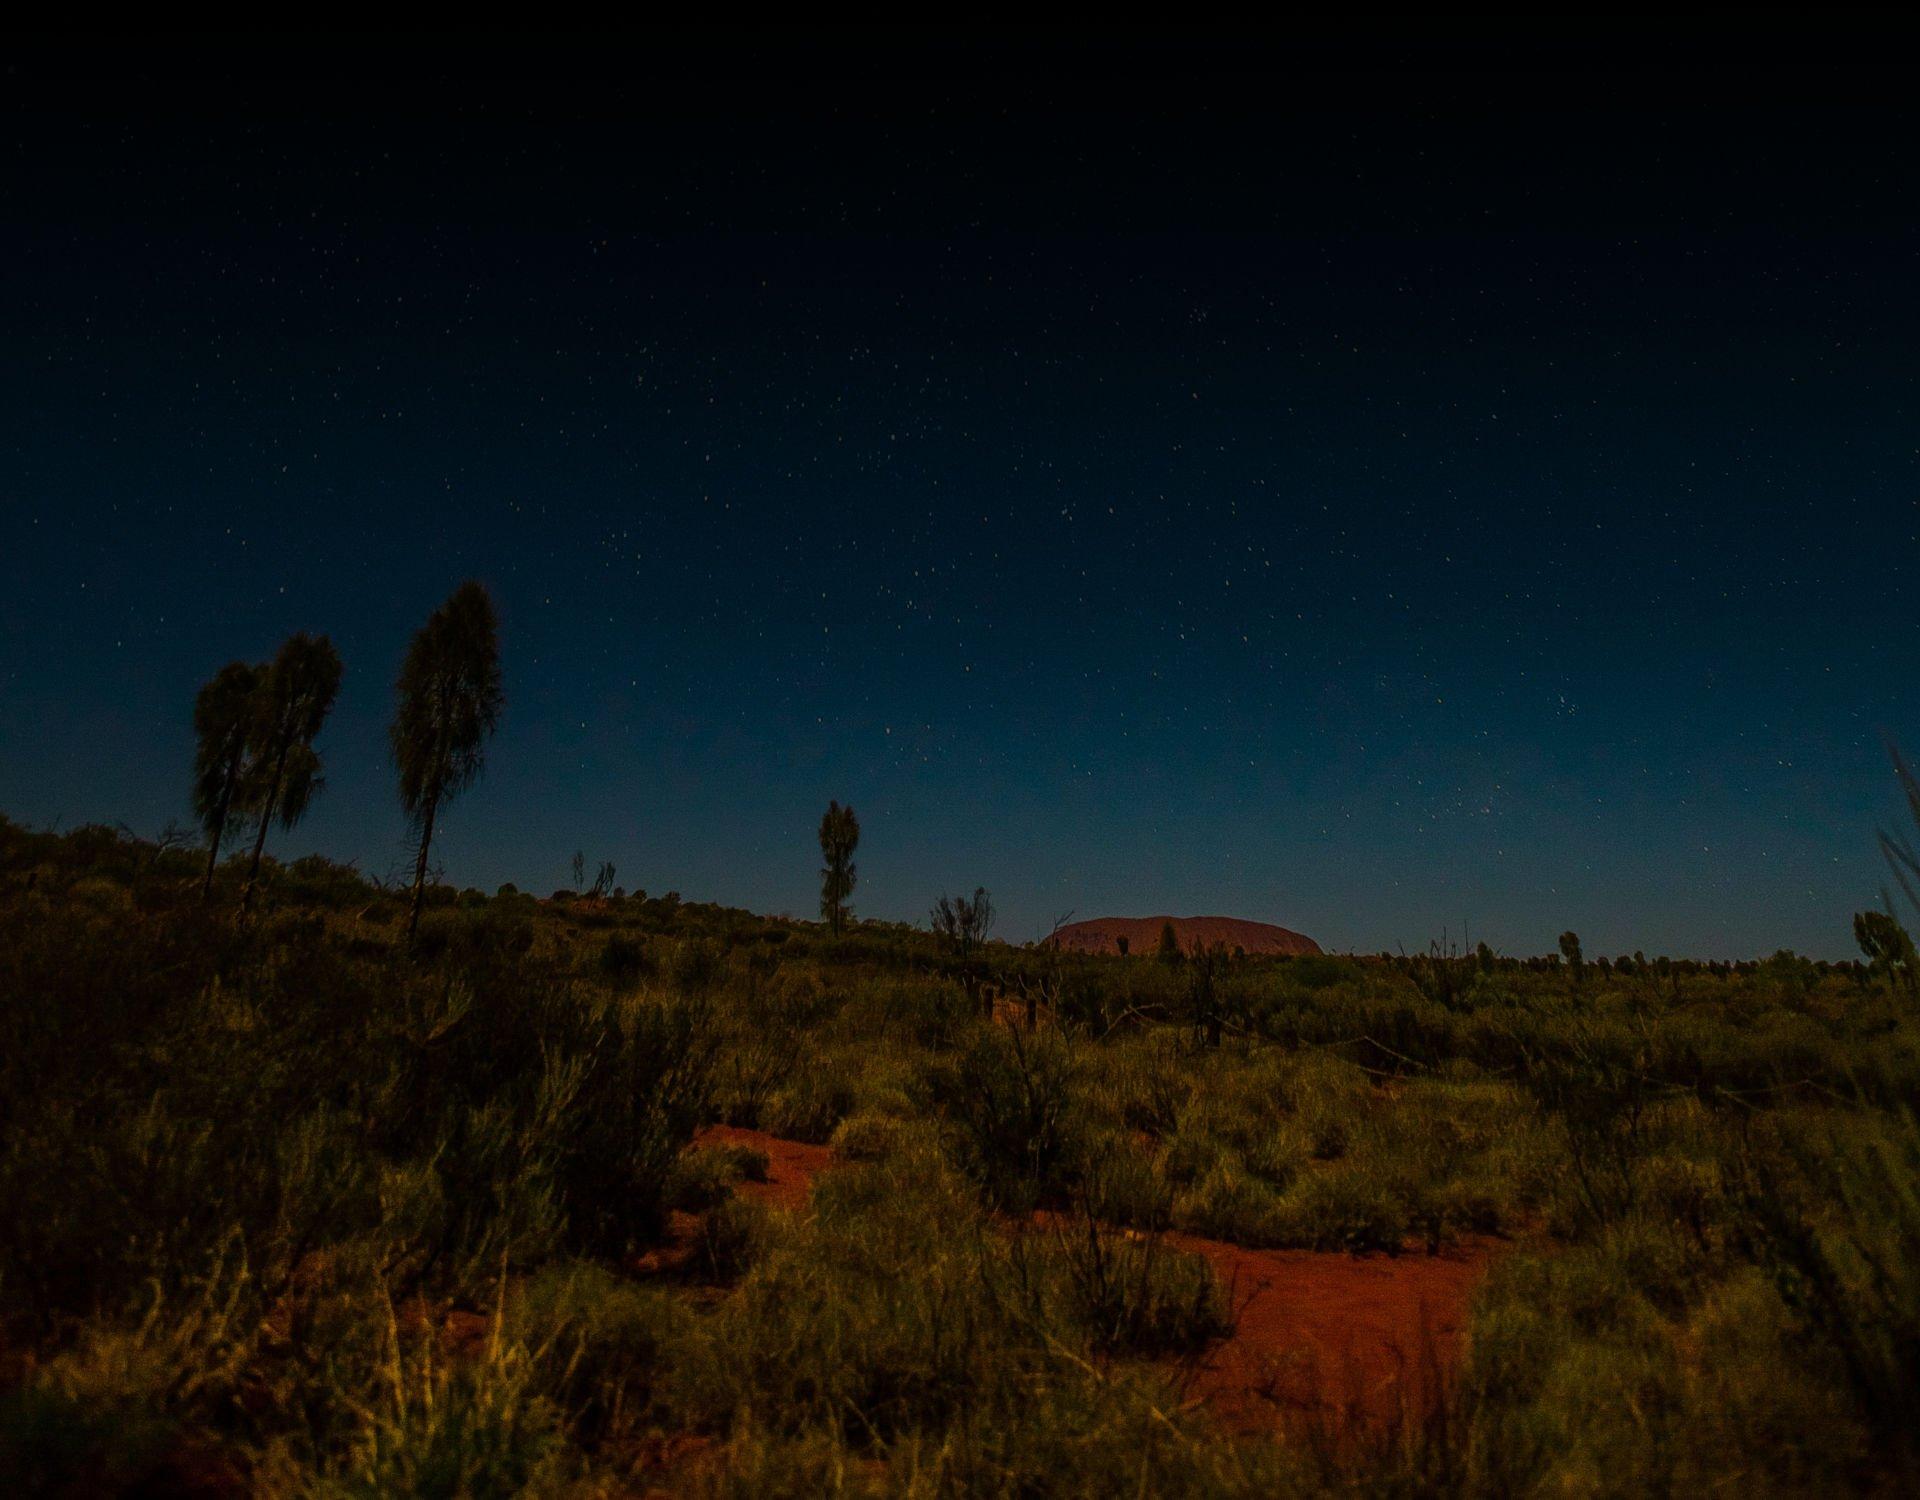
[1323,1337]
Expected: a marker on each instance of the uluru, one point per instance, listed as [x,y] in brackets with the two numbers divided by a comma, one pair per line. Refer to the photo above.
[1141,935]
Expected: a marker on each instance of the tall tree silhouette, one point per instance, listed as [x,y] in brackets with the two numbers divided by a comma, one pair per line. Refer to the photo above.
[449,705]
[839,837]
[222,718]
[295,694]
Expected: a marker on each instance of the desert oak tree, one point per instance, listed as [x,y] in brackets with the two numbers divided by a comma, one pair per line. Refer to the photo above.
[222,717]
[449,703]
[294,695]
[839,837]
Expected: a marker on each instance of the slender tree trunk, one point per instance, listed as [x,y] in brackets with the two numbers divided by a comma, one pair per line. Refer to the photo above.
[219,828]
[213,858]
[253,868]
[837,892]
[260,841]
[213,853]
[420,866]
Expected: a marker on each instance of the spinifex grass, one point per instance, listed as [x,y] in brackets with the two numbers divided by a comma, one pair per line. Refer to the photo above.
[226,1151]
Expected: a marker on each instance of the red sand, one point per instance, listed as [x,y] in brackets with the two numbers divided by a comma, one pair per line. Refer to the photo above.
[791,1165]
[1331,1337]
[1102,934]
[1323,1337]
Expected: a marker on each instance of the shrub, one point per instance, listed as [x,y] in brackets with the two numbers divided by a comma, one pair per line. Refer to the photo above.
[626,958]
[621,1107]
[1012,1097]
[600,1344]
[1132,1293]
[730,1239]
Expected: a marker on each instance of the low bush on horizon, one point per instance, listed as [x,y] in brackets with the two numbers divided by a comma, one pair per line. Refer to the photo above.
[289,1201]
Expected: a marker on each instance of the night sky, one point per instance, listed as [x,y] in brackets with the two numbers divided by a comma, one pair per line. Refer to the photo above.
[1368,483]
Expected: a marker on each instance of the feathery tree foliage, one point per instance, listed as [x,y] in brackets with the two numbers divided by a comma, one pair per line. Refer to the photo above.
[963,923]
[1888,947]
[449,703]
[839,837]
[1900,855]
[222,717]
[1883,939]
[295,693]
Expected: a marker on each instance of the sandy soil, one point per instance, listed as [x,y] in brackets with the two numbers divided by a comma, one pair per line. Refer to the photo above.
[1332,1337]
[1327,1338]
[791,1165]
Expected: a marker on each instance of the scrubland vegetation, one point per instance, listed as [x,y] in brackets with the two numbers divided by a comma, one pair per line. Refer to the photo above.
[294,1206]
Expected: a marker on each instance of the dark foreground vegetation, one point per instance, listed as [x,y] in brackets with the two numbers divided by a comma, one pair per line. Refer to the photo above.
[291,1206]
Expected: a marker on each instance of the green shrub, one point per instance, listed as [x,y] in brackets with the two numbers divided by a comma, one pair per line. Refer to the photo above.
[1228,1203]
[434,1426]
[601,1344]
[730,1239]
[621,1108]
[1012,1097]
[626,958]
[811,1104]
[1132,1293]
[1347,1206]
[873,1137]
[703,1176]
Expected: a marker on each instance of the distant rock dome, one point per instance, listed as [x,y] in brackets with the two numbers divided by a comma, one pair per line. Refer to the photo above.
[1142,934]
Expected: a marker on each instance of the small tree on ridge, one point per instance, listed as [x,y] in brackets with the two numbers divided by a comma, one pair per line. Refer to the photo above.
[839,837]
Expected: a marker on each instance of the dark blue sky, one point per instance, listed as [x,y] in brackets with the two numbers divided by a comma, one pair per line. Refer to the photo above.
[1365,484]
